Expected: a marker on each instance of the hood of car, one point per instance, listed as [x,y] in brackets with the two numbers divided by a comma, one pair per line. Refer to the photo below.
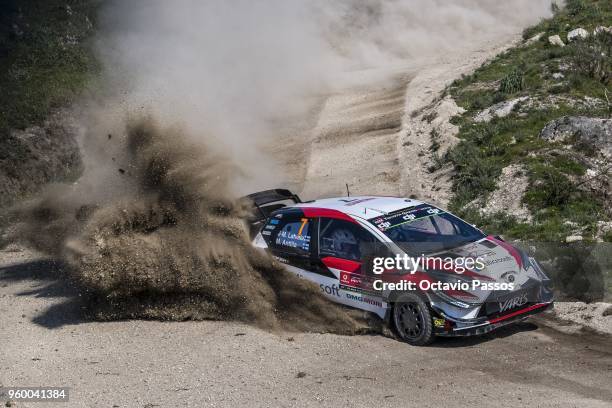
[499,261]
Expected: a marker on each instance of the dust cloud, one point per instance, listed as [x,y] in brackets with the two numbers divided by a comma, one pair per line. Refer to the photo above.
[234,72]
[176,246]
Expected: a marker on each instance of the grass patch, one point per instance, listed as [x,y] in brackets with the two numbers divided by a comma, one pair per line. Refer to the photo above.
[532,70]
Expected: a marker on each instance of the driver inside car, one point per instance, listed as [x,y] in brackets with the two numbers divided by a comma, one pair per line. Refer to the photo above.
[344,244]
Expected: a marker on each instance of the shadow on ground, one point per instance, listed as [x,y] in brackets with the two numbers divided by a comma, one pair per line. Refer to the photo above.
[50,281]
[502,332]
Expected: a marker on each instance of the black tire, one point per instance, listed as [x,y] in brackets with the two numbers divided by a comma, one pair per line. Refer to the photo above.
[412,319]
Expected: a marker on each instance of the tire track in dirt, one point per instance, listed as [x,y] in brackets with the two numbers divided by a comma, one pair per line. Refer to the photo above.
[355,141]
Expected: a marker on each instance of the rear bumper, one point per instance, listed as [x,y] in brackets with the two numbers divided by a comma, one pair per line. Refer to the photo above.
[455,327]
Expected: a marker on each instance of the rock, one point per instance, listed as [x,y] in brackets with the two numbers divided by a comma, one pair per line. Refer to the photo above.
[603,228]
[594,133]
[548,102]
[577,34]
[534,39]
[597,313]
[601,29]
[39,154]
[499,110]
[556,40]
[573,238]
[508,195]
[558,75]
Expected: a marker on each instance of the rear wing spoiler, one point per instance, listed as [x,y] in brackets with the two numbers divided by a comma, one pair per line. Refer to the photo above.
[265,202]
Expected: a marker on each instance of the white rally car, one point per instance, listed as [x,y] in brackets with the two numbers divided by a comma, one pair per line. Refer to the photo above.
[335,242]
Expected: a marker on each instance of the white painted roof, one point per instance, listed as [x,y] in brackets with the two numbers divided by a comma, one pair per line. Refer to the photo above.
[363,206]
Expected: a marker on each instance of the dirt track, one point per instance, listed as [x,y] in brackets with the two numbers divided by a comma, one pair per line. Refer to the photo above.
[45,342]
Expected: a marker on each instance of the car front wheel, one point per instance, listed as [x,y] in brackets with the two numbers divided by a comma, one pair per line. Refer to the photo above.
[412,319]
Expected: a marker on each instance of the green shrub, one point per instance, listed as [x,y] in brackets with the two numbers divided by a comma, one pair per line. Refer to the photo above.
[568,165]
[549,188]
[592,57]
[513,82]
[575,7]
[588,10]
[475,174]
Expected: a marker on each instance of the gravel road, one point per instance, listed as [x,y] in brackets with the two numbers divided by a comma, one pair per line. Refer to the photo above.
[45,342]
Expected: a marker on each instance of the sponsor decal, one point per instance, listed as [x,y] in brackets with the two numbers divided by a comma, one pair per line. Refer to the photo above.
[512,250]
[405,216]
[350,279]
[265,232]
[356,283]
[490,262]
[356,201]
[364,299]
[274,221]
[478,253]
[512,303]
[438,322]
[332,290]
[279,259]
[292,240]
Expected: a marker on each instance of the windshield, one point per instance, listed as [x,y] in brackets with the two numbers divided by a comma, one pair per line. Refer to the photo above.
[425,229]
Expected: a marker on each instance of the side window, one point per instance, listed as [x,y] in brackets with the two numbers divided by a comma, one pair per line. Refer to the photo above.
[343,239]
[288,234]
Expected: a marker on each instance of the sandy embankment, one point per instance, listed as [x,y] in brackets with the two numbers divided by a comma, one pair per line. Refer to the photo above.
[374,137]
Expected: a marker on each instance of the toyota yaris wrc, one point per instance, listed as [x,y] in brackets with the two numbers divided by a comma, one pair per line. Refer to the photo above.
[421,269]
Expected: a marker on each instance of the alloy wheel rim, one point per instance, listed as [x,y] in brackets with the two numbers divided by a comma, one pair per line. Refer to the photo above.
[410,320]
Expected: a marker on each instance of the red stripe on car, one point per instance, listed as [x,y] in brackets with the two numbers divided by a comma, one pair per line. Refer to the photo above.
[312,212]
[512,250]
[341,264]
[518,312]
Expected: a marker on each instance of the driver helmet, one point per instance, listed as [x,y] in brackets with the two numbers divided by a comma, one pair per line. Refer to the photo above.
[345,243]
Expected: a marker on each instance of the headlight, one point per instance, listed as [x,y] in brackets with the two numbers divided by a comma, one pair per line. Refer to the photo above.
[459,298]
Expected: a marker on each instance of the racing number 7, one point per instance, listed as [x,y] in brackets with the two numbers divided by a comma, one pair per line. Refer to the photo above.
[304,221]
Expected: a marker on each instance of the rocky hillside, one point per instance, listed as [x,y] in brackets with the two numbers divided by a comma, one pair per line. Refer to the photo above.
[45,63]
[534,157]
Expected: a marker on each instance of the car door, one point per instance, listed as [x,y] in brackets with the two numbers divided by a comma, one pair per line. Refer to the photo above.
[291,238]
[288,236]
[343,249]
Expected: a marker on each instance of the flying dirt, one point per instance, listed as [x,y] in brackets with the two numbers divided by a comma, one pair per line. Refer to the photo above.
[174,245]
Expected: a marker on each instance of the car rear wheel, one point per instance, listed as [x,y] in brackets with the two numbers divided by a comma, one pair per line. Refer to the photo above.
[412,319]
